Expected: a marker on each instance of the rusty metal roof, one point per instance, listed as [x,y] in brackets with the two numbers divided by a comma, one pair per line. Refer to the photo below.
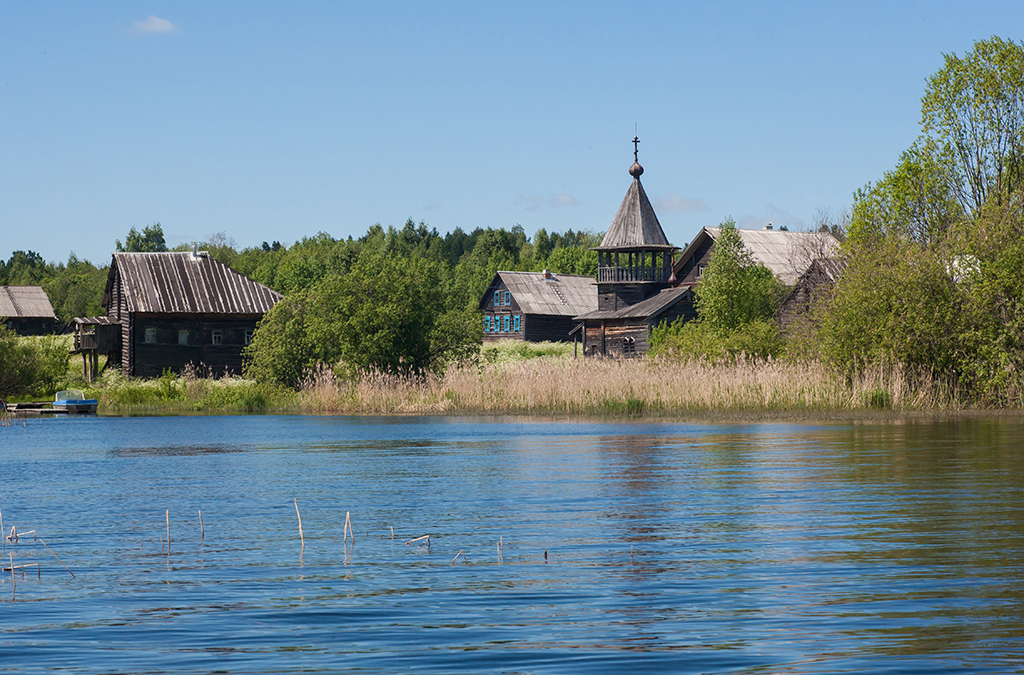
[561,295]
[187,283]
[635,225]
[649,308]
[28,302]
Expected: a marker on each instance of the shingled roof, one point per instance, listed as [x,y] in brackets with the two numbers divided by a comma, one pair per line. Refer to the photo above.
[561,295]
[635,225]
[186,283]
[25,302]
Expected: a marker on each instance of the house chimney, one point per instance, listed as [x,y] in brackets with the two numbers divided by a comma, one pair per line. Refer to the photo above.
[546,274]
[195,249]
[768,226]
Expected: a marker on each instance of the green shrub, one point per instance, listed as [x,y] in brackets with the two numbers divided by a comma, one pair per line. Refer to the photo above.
[698,340]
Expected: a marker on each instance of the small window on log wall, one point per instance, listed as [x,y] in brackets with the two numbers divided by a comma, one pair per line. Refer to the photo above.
[218,337]
[629,346]
[150,335]
[182,337]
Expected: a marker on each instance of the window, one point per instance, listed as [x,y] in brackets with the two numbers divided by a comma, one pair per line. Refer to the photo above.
[629,346]
[505,322]
[150,335]
[248,337]
[515,324]
[218,337]
[508,297]
[485,324]
[700,271]
[497,298]
[497,324]
[183,337]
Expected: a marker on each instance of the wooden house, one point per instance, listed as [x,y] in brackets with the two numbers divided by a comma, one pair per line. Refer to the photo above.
[636,287]
[795,311]
[26,310]
[535,306]
[786,254]
[168,310]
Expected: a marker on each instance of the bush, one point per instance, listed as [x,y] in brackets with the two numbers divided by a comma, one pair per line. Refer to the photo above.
[759,339]
[32,366]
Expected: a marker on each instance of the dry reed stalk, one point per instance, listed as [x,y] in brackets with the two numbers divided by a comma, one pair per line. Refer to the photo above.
[392,532]
[202,530]
[39,574]
[301,538]
[167,515]
[457,557]
[2,530]
[413,541]
[58,559]
[14,579]
[349,530]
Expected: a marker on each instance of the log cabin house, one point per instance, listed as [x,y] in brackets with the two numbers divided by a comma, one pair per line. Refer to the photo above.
[26,310]
[169,310]
[794,315]
[535,306]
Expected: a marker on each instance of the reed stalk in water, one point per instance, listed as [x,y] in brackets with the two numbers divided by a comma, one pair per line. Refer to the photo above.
[299,515]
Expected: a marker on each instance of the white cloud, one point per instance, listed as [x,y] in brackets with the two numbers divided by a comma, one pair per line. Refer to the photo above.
[154,24]
[562,200]
[537,202]
[673,202]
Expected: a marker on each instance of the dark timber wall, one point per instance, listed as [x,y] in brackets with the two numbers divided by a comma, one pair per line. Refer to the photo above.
[149,359]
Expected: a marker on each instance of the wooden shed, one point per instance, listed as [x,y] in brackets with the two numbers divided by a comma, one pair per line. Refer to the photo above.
[26,310]
[535,306]
[168,310]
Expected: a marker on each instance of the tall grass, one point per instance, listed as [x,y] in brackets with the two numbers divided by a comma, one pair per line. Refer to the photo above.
[188,393]
[591,386]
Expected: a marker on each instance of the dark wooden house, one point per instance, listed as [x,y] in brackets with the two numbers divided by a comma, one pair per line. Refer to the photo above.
[636,287]
[535,306]
[168,310]
[26,310]
[794,314]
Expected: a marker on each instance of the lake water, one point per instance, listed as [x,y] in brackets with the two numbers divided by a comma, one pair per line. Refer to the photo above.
[764,548]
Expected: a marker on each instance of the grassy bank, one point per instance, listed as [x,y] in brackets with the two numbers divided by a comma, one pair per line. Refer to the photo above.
[513,378]
[599,387]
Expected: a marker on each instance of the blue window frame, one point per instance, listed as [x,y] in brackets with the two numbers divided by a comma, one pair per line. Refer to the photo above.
[487,323]
[508,297]
[515,324]
[497,298]
[504,323]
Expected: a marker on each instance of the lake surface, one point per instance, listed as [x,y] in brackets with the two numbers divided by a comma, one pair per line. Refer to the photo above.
[767,548]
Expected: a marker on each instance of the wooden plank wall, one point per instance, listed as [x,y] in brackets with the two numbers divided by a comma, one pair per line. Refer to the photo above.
[150,359]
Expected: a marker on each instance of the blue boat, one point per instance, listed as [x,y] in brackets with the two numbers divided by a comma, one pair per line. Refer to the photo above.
[74,401]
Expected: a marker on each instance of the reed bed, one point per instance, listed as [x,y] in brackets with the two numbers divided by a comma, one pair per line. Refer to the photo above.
[602,387]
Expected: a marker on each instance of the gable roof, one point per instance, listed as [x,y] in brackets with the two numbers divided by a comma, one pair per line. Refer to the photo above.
[27,302]
[186,283]
[646,309]
[635,225]
[561,295]
[786,254]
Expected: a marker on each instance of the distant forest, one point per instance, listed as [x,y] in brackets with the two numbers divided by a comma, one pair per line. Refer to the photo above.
[466,261]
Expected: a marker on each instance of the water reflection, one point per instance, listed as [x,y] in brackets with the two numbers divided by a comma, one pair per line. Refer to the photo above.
[761,548]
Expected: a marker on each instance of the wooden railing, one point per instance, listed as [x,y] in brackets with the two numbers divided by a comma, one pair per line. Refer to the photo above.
[631,274]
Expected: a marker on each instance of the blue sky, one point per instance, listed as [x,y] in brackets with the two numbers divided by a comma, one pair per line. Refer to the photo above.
[274,121]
